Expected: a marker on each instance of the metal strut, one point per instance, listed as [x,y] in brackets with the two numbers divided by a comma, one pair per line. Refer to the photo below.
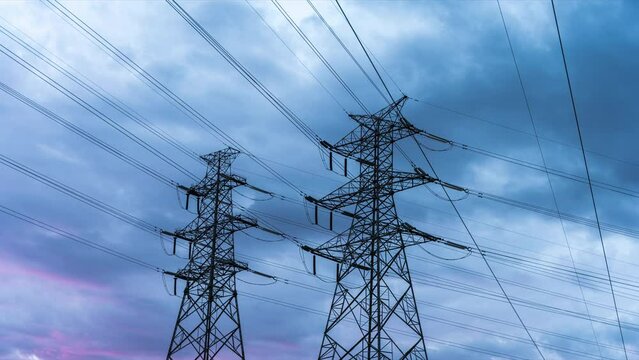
[208,322]
[373,313]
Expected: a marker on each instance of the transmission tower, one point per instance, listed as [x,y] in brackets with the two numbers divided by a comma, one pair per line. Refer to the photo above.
[208,323]
[373,286]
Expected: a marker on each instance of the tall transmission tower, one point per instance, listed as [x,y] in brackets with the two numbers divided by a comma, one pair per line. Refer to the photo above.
[208,323]
[373,288]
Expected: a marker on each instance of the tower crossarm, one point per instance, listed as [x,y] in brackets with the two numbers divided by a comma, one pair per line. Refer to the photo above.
[221,264]
[402,180]
[241,222]
[413,236]
[388,124]
[348,194]
[343,196]
[357,143]
[208,322]
[342,251]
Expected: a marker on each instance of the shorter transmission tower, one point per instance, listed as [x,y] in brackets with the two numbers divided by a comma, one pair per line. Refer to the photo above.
[208,322]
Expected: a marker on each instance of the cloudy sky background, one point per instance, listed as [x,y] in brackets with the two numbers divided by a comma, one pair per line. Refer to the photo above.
[63,300]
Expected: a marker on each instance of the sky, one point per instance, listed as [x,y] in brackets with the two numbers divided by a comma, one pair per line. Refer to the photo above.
[61,299]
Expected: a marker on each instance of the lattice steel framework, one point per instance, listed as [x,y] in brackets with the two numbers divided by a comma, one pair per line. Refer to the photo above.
[208,323]
[374,289]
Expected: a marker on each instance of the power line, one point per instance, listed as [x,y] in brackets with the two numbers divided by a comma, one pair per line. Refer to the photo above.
[433,339]
[318,53]
[97,113]
[543,161]
[295,55]
[443,321]
[530,165]
[456,324]
[523,132]
[492,252]
[149,80]
[287,281]
[102,94]
[481,252]
[294,119]
[88,136]
[455,288]
[80,196]
[583,153]
[350,54]
[78,239]
[616,229]
[478,291]
[600,232]
[503,255]
[531,265]
[365,51]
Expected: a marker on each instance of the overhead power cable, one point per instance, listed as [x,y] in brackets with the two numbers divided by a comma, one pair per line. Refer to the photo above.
[306,272]
[318,53]
[97,113]
[365,51]
[519,131]
[350,54]
[476,244]
[88,136]
[70,191]
[291,116]
[294,119]
[321,84]
[456,324]
[475,290]
[157,269]
[160,88]
[465,347]
[527,206]
[479,291]
[78,239]
[543,161]
[533,166]
[103,95]
[527,264]
[585,159]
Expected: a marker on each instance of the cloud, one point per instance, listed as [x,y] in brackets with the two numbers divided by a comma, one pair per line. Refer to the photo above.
[62,300]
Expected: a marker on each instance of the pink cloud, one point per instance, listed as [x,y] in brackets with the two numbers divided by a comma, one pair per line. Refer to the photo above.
[12,268]
[53,316]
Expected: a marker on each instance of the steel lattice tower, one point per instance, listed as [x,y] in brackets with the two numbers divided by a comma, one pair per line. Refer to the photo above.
[208,323]
[373,287]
